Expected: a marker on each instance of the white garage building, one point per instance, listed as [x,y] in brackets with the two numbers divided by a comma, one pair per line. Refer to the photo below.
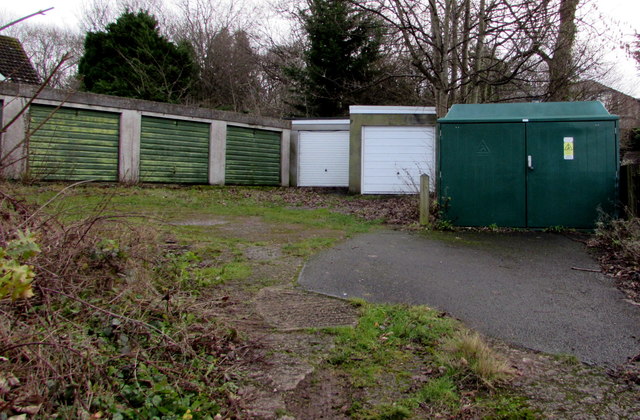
[320,153]
[393,158]
[379,150]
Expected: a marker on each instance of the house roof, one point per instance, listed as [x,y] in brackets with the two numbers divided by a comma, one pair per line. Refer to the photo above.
[15,65]
[531,111]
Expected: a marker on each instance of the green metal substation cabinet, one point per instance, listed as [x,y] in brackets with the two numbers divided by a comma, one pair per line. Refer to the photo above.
[528,165]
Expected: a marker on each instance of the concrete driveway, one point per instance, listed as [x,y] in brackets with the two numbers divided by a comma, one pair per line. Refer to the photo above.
[519,287]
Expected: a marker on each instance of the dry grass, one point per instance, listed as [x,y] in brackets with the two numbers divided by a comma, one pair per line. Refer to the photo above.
[468,352]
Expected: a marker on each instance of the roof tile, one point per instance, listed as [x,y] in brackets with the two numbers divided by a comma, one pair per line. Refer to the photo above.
[15,65]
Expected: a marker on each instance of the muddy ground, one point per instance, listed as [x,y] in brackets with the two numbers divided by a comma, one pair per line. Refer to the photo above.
[282,374]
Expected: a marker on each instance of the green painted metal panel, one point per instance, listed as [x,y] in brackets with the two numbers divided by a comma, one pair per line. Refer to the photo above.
[174,151]
[528,112]
[252,156]
[574,172]
[534,172]
[72,144]
[482,174]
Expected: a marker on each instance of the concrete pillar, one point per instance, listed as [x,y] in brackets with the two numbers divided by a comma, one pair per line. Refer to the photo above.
[129,159]
[13,145]
[285,142]
[293,160]
[217,152]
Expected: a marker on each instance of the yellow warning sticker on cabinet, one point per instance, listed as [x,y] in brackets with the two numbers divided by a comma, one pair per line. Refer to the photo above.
[568,148]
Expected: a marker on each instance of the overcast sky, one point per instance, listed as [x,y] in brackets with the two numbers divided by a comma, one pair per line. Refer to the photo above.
[625,13]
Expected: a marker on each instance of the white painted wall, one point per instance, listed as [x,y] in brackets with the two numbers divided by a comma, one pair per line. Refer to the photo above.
[394,157]
[323,159]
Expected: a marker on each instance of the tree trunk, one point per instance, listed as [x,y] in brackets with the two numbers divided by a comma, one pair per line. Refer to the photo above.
[464,61]
[561,69]
[479,52]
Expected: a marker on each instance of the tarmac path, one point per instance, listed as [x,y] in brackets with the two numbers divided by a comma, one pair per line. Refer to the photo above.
[530,289]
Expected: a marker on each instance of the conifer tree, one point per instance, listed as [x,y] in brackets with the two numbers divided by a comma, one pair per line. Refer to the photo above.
[340,61]
[130,58]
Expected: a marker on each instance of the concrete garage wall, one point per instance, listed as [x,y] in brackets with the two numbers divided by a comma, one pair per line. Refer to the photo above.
[13,145]
[362,116]
[129,159]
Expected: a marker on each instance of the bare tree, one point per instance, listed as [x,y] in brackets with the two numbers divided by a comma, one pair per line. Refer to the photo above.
[462,47]
[229,63]
[95,15]
[488,50]
[276,88]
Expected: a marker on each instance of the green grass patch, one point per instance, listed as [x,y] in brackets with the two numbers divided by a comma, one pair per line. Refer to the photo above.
[175,203]
[440,391]
[187,270]
[507,407]
[309,246]
[382,412]
[391,339]
[382,332]
[568,359]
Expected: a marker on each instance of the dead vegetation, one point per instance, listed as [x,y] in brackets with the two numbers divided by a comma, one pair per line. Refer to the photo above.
[470,353]
[618,245]
[101,336]
[392,210]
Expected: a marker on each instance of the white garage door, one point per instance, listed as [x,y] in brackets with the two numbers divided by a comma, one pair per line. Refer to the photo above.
[323,159]
[393,158]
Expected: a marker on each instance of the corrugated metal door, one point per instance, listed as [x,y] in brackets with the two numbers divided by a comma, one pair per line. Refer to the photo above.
[393,158]
[252,157]
[323,159]
[71,144]
[483,174]
[174,151]
[572,172]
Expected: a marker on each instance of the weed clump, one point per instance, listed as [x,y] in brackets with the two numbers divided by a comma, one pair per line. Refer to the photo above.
[474,360]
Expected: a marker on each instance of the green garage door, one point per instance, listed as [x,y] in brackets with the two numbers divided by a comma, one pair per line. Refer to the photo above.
[71,144]
[174,151]
[252,157]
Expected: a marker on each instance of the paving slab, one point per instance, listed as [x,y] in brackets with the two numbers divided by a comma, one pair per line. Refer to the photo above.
[530,289]
[289,310]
